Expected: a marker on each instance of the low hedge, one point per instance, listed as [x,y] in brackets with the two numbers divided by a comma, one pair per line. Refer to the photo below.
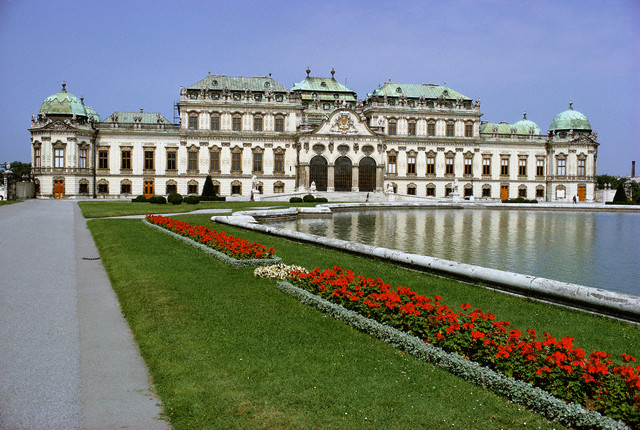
[175,198]
[295,200]
[519,200]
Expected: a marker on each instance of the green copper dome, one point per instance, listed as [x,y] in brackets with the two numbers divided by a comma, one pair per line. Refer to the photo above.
[527,125]
[63,103]
[91,113]
[570,120]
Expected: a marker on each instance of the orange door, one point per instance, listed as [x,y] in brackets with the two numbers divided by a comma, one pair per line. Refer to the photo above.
[58,188]
[504,192]
[582,193]
[148,189]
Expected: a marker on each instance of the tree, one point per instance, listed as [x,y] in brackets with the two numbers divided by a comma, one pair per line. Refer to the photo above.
[18,169]
[620,196]
[207,189]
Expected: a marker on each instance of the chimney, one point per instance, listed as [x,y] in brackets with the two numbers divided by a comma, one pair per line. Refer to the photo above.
[633,169]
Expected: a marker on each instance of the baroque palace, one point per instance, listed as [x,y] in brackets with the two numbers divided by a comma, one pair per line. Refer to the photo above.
[256,135]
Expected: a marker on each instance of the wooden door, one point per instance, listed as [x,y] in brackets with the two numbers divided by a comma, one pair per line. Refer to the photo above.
[148,189]
[58,188]
[504,192]
[582,193]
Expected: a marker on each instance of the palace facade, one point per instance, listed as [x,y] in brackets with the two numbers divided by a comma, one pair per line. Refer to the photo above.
[256,135]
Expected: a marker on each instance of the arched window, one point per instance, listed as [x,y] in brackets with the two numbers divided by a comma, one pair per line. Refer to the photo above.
[367,174]
[342,174]
[318,172]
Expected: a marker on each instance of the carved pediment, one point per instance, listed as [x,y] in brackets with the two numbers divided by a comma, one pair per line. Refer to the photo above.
[58,125]
[583,140]
[343,124]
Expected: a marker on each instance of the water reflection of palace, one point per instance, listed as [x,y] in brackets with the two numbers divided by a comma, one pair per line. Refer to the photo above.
[555,245]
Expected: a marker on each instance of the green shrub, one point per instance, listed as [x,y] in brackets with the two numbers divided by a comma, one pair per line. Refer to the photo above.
[519,200]
[139,199]
[158,200]
[621,196]
[207,189]
[295,200]
[308,198]
[321,200]
[174,198]
[212,198]
[192,200]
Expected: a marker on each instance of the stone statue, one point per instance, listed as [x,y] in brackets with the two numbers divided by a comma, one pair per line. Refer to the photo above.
[455,186]
[312,187]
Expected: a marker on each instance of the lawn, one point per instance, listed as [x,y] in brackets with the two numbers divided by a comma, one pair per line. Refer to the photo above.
[228,350]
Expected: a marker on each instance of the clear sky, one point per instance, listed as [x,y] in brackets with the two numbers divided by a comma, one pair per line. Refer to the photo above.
[516,56]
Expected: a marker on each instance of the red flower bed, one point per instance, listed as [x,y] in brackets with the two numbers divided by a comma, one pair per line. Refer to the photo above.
[593,380]
[220,241]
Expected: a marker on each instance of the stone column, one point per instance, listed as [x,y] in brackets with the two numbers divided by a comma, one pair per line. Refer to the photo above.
[330,179]
[354,177]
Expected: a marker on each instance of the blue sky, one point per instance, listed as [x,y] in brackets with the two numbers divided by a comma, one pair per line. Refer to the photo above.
[516,56]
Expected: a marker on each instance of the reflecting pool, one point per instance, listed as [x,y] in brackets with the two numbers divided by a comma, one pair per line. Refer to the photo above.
[597,249]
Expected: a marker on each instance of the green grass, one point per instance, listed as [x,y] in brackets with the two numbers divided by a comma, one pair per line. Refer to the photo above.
[100,209]
[228,350]
[8,202]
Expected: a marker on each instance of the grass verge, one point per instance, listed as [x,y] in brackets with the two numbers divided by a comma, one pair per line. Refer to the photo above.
[228,350]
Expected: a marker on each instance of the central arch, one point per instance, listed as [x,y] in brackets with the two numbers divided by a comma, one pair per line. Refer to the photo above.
[342,174]
[318,172]
[367,174]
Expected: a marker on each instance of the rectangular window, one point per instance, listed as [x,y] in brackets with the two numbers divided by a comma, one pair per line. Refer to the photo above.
[103,159]
[257,162]
[172,188]
[148,160]
[236,123]
[411,165]
[411,131]
[58,157]
[215,122]
[393,128]
[468,166]
[236,189]
[278,188]
[171,160]
[448,166]
[522,192]
[504,167]
[279,125]
[431,129]
[192,189]
[103,188]
[236,162]
[82,158]
[125,159]
[522,167]
[84,188]
[278,164]
[257,123]
[431,165]
[486,192]
[193,122]
[562,167]
[582,167]
[125,188]
[539,167]
[214,166]
[539,193]
[431,191]
[411,190]
[486,166]
[37,158]
[391,165]
[468,130]
[192,161]
[450,129]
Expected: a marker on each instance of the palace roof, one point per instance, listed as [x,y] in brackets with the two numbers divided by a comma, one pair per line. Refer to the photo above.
[428,91]
[238,83]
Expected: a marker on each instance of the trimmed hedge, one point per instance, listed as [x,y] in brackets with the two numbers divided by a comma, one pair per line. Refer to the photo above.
[192,200]
[139,199]
[519,200]
[174,198]
[308,198]
[295,200]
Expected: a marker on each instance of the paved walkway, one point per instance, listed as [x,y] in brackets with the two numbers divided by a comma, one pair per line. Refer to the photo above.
[67,357]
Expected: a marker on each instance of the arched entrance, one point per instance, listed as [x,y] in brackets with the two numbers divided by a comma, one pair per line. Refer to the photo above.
[318,172]
[342,174]
[367,174]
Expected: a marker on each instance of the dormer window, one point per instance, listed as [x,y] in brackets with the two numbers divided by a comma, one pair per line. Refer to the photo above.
[323,84]
[279,98]
[257,97]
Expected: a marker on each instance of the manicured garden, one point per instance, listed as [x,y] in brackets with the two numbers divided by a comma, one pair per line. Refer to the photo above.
[203,328]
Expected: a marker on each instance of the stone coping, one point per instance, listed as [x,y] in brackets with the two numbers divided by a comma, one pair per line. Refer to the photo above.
[617,305]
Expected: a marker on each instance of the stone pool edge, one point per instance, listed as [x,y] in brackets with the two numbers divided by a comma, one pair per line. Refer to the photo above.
[617,305]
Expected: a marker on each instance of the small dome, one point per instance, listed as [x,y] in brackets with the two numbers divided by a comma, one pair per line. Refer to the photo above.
[570,120]
[63,103]
[91,113]
[527,125]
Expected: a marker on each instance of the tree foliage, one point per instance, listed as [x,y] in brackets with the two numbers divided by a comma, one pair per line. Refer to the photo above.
[207,189]
[18,169]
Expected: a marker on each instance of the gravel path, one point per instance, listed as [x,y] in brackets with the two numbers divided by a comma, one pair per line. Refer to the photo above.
[67,357]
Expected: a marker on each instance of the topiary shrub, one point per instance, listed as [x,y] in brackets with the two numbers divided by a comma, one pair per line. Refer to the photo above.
[192,200]
[212,198]
[174,198]
[321,200]
[207,189]
[621,196]
[519,200]
[158,200]
[139,199]
[308,198]
[295,200]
